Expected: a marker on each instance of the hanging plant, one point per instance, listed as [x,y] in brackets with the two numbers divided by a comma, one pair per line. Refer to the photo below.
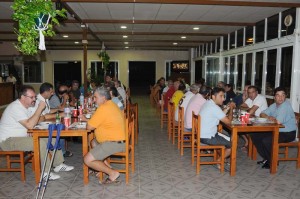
[36,19]
[105,58]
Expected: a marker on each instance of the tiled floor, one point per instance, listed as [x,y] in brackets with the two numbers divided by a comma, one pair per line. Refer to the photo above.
[162,173]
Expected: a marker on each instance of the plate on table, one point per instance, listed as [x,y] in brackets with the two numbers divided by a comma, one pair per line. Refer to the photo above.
[261,119]
[78,125]
[43,125]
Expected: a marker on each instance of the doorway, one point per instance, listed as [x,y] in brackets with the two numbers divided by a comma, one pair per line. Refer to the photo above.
[141,76]
[67,71]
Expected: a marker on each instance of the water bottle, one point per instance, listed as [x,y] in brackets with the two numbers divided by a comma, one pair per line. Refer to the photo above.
[67,109]
[81,99]
[57,118]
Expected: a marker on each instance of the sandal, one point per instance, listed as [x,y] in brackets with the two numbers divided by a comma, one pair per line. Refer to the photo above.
[109,181]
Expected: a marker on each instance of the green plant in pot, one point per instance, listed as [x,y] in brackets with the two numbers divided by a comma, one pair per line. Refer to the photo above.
[36,18]
[105,59]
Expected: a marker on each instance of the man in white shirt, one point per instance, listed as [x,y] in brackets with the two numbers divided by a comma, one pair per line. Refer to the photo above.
[11,78]
[17,119]
[256,103]
[121,91]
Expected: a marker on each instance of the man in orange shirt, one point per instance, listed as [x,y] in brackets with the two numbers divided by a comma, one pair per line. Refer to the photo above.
[109,126]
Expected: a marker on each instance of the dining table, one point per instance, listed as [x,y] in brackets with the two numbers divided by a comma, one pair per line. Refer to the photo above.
[73,131]
[237,127]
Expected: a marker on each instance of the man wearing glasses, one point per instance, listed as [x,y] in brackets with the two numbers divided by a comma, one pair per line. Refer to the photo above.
[17,119]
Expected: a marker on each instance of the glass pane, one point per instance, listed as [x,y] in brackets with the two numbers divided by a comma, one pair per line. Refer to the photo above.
[225,42]
[273,27]
[271,72]
[32,72]
[213,49]
[249,35]
[218,44]
[198,70]
[232,40]
[204,52]
[231,71]
[208,49]
[239,73]
[226,67]
[290,29]
[213,71]
[168,69]
[258,69]
[240,37]
[286,68]
[248,69]
[260,31]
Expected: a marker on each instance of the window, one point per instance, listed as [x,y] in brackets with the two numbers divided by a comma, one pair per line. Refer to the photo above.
[239,73]
[286,68]
[213,48]
[248,69]
[249,35]
[168,69]
[288,30]
[240,37]
[231,71]
[225,42]
[218,45]
[232,40]
[272,27]
[271,72]
[97,71]
[260,31]
[259,69]
[212,71]
[226,68]
[198,70]
[32,72]
[208,48]
[204,49]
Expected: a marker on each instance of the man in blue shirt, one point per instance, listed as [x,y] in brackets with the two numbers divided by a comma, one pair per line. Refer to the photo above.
[280,112]
[211,114]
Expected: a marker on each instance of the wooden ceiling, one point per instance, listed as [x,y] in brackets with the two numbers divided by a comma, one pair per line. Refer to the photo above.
[150,24]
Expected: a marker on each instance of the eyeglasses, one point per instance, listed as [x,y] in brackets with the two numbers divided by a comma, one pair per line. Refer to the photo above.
[31,97]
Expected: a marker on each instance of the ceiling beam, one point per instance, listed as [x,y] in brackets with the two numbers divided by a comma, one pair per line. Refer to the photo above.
[197,2]
[213,23]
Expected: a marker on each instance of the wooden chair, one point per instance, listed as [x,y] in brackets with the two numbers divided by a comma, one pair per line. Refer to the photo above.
[217,150]
[19,157]
[163,113]
[172,124]
[126,157]
[294,144]
[134,110]
[183,143]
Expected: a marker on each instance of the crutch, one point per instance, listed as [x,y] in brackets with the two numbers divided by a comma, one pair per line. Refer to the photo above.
[56,147]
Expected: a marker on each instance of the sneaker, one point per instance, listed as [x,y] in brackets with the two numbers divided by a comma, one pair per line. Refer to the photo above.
[63,167]
[52,176]
[68,154]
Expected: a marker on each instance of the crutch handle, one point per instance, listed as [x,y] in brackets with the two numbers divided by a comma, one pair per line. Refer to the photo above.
[51,128]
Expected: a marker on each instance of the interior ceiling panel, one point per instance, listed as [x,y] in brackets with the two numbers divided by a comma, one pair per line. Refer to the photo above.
[149,25]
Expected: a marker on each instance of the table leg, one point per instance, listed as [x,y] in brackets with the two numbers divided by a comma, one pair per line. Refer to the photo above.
[36,150]
[233,152]
[85,151]
[274,155]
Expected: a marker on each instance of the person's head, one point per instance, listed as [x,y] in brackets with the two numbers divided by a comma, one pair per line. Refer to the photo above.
[252,92]
[75,85]
[221,84]
[108,79]
[205,91]
[194,88]
[179,85]
[218,95]
[101,95]
[279,95]
[62,90]
[46,90]
[228,87]
[170,83]
[117,84]
[11,75]
[27,96]
[113,92]
[162,81]
[245,91]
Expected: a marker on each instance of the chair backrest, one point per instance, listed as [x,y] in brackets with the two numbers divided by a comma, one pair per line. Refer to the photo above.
[180,118]
[129,133]
[196,126]
[171,111]
[297,115]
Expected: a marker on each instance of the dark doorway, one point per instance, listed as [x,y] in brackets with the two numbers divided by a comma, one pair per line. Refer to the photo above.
[67,71]
[141,76]
[198,70]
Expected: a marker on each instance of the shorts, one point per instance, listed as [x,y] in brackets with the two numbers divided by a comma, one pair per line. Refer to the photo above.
[216,140]
[105,149]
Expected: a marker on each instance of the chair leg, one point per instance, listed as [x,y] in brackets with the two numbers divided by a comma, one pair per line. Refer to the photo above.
[198,161]
[254,153]
[22,166]
[298,157]
[222,160]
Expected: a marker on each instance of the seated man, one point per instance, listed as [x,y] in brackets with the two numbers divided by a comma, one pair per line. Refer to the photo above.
[179,92]
[211,114]
[281,112]
[256,103]
[108,122]
[15,122]
[114,97]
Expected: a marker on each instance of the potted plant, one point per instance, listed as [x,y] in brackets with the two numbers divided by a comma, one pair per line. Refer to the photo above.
[36,18]
[105,59]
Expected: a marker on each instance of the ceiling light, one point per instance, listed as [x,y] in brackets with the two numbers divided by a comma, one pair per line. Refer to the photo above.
[65,36]
[183,37]
[125,36]
[76,42]
[175,43]
[196,28]
[126,47]
[123,27]
[125,42]
[249,40]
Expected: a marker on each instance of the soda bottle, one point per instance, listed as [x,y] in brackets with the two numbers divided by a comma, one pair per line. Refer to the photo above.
[67,109]
[57,118]
[81,99]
